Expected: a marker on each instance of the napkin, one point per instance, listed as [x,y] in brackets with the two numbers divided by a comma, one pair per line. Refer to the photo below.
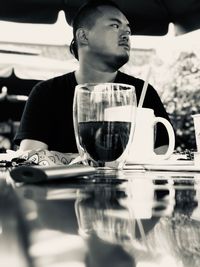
[175,159]
[40,157]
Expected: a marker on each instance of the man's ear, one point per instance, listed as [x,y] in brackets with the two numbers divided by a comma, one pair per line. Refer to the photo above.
[82,36]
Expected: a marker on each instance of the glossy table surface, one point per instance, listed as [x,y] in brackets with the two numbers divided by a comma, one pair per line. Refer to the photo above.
[130,218]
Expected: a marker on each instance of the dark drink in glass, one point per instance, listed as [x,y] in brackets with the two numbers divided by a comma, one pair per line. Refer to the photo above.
[104,141]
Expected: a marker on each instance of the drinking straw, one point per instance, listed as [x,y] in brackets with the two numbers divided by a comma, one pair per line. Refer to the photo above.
[144,89]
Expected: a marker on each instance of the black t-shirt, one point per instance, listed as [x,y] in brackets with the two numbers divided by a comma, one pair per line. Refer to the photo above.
[47,116]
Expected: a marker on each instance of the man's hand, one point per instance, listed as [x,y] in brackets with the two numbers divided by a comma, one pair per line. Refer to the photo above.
[30,144]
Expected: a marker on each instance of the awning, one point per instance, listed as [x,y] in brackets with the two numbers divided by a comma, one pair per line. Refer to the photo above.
[33,66]
[147,17]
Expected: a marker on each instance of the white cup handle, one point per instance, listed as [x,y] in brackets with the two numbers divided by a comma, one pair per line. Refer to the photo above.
[171,136]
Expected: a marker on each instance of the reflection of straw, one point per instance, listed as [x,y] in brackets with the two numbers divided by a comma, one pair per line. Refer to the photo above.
[140,227]
[144,89]
[142,233]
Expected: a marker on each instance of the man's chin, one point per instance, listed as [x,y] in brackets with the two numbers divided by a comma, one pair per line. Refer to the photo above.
[116,61]
[120,60]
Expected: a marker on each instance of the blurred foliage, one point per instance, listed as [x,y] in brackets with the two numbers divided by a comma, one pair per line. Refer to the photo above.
[182,97]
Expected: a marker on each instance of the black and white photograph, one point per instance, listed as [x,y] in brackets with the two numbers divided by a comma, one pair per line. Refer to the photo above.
[100,133]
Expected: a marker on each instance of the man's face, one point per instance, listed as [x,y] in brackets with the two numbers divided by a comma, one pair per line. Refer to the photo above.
[108,40]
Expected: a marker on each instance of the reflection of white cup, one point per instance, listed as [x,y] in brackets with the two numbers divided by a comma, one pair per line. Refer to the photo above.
[196,119]
[142,147]
[140,198]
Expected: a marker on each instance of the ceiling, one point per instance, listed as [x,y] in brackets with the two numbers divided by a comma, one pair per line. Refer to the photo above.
[147,17]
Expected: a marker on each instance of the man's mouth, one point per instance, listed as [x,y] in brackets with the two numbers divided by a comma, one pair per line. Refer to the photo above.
[125,45]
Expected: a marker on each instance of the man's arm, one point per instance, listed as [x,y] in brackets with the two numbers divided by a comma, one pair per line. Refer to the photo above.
[38,153]
[29,144]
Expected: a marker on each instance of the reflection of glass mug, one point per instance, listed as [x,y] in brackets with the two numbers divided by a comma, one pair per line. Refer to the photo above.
[104,221]
[142,147]
[103,123]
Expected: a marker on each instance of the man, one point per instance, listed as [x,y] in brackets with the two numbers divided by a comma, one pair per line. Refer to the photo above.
[101,44]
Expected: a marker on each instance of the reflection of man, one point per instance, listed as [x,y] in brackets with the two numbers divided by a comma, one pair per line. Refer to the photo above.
[101,44]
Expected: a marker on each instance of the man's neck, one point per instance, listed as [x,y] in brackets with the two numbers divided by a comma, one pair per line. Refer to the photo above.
[91,75]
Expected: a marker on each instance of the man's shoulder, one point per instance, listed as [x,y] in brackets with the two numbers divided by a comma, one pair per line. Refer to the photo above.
[57,79]
[129,79]
[58,82]
[132,80]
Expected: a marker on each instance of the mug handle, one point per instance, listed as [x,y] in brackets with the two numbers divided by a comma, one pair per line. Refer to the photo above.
[171,136]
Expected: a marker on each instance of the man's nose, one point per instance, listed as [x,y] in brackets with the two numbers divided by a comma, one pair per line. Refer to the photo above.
[125,35]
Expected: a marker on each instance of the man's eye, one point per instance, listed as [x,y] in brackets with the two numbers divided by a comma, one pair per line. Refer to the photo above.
[115,26]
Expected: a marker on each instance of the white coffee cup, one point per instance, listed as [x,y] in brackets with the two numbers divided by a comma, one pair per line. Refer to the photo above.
[142,147]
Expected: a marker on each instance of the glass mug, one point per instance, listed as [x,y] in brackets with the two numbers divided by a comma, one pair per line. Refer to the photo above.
[103,116]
